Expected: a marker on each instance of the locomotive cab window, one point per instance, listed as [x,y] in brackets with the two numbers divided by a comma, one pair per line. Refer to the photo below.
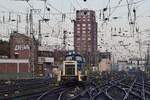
[70,69]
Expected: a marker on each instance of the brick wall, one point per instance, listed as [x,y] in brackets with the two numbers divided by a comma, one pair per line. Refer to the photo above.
[23,47]
[24,67]
[8,67]
[12,67]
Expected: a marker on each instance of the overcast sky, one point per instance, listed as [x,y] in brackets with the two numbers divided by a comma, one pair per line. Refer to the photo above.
[67,6]
[55,26]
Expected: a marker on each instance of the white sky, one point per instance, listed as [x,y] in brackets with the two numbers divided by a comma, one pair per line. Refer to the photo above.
[55,27]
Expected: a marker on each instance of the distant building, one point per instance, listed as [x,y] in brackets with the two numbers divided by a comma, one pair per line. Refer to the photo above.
[105,62]
[122,65]
[15,69]
[4,49]
[23,47]
[139,62]
[85,34]
[45,60]
[23,58]
[59,57]
[105,65]
[45,55]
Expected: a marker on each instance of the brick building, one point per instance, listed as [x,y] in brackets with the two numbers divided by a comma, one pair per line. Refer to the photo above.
[59,56]
[23,58]
[45,60]
[104,59]
[15,68]
[85,34]
[23,47]
[4,49]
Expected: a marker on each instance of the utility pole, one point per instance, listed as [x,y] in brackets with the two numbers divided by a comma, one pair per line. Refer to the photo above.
[40,35]
[17,23]
[34,44]
[139,41]
[27,26]
[40,26]
[147,60]
[64,39]
[31,22]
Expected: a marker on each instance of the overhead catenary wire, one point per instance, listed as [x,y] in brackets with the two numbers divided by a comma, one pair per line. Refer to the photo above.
[115,7]
[33,8]
[73,13]
[118,6]
[60,12]
[4,18]
[67,13]
[78,4]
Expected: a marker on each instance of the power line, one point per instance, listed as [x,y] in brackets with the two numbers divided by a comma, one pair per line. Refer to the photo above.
[79,4]
[58,10]
[116,7]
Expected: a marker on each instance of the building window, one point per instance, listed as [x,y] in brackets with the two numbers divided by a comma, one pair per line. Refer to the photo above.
[78,28]
[83,20]
[89,46]
[89,24]
[89,28]
[89,32]
[89,49]
[83,38]
[78,39]
[84,35]
[78,19]
[78,31]
[89,38]
[83,25]
[78,46]
[83,31]
[77,35]
[83,28]
[84,49]
[84,42]
[78,49]
[78,25]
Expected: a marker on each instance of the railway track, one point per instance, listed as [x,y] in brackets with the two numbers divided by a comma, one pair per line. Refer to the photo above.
[118,88]
[56,94]
[130,90]
[25,88]
[104,91]
[122,89]
[96,92]
[83,95]
[63,92]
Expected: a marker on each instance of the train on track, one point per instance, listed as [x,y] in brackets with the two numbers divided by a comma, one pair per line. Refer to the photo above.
[73,69]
